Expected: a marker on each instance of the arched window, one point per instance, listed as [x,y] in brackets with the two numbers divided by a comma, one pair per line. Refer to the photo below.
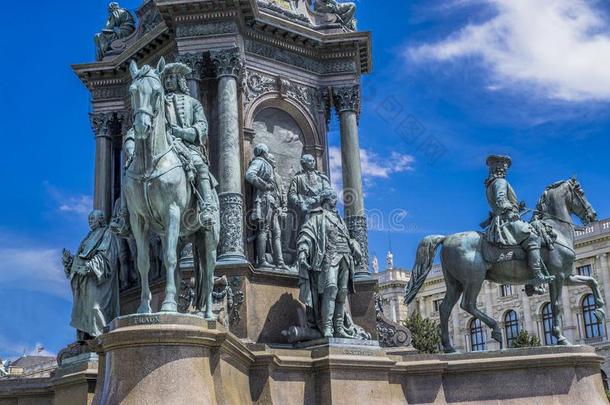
[547,323]
[477,338]
[511,327]
[593,327]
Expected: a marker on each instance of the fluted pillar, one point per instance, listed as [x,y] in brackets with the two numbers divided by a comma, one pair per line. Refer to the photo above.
[102,195]
[347,104]
[228,64]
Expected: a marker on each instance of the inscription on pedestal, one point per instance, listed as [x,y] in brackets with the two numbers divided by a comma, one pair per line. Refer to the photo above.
[146,320]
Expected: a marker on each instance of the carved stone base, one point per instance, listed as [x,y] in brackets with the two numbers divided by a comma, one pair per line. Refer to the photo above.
[358,230]
[179,359]
[231,245]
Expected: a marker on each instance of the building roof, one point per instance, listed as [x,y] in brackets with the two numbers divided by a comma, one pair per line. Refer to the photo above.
[31,361]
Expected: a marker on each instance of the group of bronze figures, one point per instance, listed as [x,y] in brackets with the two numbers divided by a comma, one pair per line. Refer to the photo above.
[169,191]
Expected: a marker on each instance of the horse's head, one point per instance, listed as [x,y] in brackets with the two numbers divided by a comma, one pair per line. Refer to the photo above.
[564,198]
[146,96]
[579,205]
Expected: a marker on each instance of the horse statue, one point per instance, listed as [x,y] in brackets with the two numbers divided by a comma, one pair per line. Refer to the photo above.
[465,267]
[160,198]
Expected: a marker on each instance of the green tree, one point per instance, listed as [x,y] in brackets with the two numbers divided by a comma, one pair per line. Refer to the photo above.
[524,339]
[425,333]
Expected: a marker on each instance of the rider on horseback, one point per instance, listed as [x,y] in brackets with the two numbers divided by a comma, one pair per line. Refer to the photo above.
[189,128]
[504,226]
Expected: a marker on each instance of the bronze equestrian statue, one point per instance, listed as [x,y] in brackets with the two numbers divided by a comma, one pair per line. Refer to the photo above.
[506,253]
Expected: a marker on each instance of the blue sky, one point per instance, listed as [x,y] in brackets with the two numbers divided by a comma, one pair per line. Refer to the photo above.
[453,81]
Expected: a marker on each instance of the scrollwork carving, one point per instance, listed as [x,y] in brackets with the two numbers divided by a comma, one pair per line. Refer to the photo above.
[211,28]
[195,62]
[101,123]
[390,334]
[231,217]
[358,230]
[303,62]
[347,98]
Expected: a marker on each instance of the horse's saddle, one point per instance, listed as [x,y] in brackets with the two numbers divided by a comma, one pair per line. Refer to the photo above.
[498,254]
[506,253]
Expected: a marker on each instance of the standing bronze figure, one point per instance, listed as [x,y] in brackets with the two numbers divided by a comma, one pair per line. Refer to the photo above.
[306,187]
[269,206]
[94,278]
[327,256]
[468,259]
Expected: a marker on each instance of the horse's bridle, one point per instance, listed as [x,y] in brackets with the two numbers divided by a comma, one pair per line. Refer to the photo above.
[154,114]
[142,110]
[585,204]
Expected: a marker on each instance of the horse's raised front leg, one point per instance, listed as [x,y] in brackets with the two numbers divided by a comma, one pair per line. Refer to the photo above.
[576,280]
[170,258]
[454,290]
[469,304]
[555,291]
[140,233]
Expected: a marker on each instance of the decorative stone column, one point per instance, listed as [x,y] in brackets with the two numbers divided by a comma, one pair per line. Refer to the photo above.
[228,65]
[195,62]
[102,196]
[347,103]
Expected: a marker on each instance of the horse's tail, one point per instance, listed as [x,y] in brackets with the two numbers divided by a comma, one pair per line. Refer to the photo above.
[423,264]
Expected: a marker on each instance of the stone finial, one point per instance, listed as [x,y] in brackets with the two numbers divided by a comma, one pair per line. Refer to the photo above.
[390,260]
[347,98]
[227,62]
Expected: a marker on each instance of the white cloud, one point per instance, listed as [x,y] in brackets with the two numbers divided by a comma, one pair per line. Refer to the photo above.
[78,204]
[560,48]
[373,165]
[32,268]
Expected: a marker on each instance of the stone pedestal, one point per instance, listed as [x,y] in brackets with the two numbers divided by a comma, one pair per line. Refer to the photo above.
[75,380]
[160,359]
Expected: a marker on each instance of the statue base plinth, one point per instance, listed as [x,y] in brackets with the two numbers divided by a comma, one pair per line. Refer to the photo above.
[161,358]
[336,342]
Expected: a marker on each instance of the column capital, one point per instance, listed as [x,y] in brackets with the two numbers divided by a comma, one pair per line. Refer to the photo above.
[101,124]
[195,62]
[347,98]
[227,62]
